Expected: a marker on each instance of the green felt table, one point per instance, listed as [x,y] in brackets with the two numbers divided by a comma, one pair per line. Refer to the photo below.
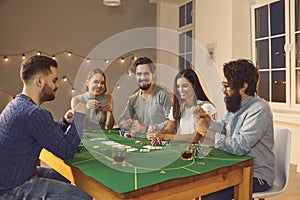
[142,169]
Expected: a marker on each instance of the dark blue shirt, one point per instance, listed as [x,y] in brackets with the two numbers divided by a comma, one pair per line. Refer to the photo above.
[26,128]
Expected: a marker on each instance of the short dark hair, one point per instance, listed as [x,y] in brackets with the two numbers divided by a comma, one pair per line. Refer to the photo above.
[36,64]
[240,71]
[142,61]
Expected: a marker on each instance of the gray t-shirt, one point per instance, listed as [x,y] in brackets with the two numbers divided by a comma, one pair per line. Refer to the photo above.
[152,111]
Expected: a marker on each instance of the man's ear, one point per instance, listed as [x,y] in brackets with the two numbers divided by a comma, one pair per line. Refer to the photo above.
[39,81]
[244,88]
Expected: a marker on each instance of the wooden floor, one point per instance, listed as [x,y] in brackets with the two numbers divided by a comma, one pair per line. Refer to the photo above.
[292,192]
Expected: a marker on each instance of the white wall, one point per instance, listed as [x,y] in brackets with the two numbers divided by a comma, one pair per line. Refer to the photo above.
[226,24]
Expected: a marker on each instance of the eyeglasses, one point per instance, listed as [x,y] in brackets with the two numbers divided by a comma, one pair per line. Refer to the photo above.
[225,85]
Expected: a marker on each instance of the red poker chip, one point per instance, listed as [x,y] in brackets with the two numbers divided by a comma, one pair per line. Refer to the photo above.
[154,142]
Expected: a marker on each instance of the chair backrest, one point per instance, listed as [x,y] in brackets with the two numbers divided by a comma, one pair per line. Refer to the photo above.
[282,149]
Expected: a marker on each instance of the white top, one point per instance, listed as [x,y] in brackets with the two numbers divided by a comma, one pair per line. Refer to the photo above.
[186,125]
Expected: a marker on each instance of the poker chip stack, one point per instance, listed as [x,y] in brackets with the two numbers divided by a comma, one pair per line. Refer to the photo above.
[156,141]
[201,152]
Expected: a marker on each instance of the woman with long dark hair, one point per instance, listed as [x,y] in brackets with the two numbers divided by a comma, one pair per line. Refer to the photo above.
[188,92]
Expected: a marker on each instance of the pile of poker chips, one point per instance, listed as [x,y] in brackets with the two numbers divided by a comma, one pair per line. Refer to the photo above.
[201,152]
[156,141]
[80,148]
[126,133]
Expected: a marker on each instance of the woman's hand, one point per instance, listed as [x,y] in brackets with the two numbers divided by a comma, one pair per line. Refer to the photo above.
[151,135]
[152,129]
[106,107]
[93,104]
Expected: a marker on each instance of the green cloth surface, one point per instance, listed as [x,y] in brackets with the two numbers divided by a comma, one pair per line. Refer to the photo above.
[142,169]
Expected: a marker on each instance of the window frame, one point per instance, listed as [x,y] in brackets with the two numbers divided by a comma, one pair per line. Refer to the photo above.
[288,104]
[292,48]
[184,29]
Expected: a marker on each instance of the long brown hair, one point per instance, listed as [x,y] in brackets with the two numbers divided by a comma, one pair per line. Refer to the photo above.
[192,77]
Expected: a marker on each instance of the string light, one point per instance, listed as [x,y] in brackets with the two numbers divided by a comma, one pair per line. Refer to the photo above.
[65,78]
[69,53]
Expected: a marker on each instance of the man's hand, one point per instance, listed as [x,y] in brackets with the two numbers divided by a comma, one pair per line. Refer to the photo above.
[69,116]
[201,120]
[127,124]
[138,128]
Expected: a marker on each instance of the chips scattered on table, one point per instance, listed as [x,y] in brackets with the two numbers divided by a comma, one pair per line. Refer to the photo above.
[97,139]
[144,150]
[131,149]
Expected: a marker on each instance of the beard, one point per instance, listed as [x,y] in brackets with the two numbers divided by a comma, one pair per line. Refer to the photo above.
[233,102]
[47,93]
[145,86]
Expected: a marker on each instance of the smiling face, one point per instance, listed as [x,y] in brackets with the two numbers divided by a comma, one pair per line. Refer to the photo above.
[144,76]
[185,90]
[96,85]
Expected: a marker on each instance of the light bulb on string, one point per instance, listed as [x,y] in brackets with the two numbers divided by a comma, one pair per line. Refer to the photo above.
[24,55]
[65,78]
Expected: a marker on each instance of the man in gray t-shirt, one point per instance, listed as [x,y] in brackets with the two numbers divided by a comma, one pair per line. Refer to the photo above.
[147,108]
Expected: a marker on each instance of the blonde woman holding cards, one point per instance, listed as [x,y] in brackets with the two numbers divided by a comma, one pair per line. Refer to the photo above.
[97,101]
